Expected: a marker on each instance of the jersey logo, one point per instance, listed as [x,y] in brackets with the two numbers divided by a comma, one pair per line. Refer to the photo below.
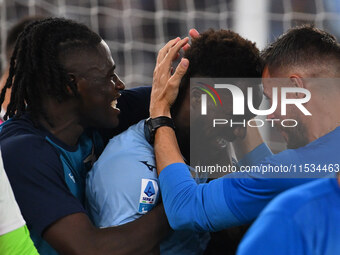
[151,167]
[71,177]
[148,195]
[149,190]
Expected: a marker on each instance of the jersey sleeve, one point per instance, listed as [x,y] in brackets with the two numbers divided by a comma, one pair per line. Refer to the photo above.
[256,155]
[17,241]
[234,200]
[37,179]
[212,206]
[272,233]
[247,193]
[190,206]
[10,216]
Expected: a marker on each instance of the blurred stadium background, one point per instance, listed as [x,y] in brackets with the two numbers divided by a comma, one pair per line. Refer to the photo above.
[136,29]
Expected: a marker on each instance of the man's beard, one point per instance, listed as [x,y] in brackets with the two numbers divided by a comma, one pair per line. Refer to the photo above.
[296,136]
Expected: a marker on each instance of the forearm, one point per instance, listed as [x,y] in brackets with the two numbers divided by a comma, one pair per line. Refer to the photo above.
[75,234]
[200,207]
[138,237]
[166,148]
[164,92]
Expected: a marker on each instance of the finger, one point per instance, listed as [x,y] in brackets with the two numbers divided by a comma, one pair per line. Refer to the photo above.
[162,53]
[186,47]
[194,33]
[176,56]
[173,51]
[181,69]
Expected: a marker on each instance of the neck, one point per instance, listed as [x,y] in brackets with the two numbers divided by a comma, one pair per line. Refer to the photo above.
[325,118]
[61,120]
[320,128]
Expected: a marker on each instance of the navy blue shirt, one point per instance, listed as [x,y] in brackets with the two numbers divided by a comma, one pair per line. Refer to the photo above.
[48,176]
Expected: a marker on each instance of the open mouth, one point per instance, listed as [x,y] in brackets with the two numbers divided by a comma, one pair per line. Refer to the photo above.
[114,104]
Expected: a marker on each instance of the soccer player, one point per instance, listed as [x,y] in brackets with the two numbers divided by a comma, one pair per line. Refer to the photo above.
[14,235]
[62,111]
[123,184]
[301,52]
[302,220]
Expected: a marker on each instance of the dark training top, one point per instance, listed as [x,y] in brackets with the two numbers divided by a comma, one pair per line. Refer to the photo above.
[48,176]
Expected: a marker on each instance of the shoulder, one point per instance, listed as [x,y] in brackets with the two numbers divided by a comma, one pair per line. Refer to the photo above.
[320,150]
[26,152]
[20,134]
[126,155]
[143,92]
[302,198]
[27,147]
[130,143]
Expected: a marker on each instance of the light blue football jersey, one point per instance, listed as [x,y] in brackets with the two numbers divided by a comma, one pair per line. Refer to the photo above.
[123,185]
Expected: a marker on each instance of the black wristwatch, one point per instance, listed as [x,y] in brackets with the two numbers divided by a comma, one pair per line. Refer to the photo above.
[151,125]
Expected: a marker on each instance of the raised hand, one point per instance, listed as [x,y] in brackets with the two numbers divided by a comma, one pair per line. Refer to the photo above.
[165,85]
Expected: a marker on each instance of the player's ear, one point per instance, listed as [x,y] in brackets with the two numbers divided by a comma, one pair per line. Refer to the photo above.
[298,82]
[72,84]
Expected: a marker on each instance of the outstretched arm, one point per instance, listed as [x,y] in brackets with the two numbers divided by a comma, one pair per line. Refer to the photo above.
[164,92]
[198,207]
[208,207]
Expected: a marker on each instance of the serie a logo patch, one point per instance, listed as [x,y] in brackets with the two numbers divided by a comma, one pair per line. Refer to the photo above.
[148,195]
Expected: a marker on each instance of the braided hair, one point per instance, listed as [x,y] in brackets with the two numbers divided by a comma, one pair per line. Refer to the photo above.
[35,69]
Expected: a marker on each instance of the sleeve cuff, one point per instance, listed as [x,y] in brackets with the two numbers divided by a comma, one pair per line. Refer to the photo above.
[174,171]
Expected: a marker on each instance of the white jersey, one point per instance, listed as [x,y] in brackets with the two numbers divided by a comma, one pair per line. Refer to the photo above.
[10,215]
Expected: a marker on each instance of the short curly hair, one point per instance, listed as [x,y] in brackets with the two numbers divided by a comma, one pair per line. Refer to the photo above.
[221,54]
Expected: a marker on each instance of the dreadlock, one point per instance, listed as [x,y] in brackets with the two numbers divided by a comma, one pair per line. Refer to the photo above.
[15,31]
[35,69]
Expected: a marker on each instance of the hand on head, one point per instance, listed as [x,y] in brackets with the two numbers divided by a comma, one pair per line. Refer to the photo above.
[165,82]
[165,85]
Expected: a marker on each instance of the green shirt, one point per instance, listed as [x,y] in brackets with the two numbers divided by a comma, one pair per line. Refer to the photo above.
[17,242]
